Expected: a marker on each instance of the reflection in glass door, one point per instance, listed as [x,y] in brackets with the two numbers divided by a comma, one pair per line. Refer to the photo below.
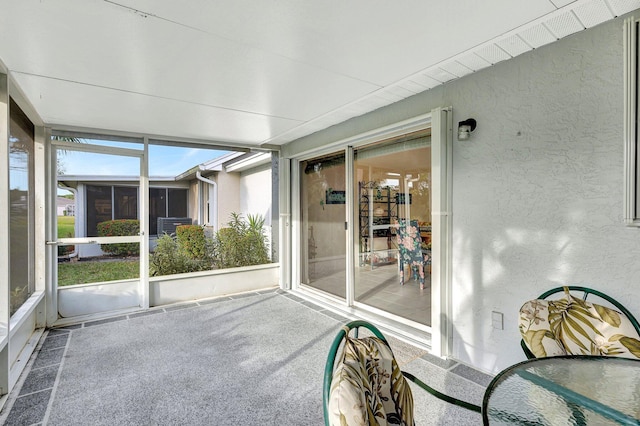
[393,226]
[322,207]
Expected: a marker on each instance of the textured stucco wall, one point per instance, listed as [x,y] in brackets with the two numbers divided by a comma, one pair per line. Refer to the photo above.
[537,190]
[537,197]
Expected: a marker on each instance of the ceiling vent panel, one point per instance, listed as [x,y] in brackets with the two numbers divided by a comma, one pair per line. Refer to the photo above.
[537,36]
[374,102]
[473,62]
[564,25]
[620,7]
[439,74]
[412,86]
[350,110]
[514,45]
[493,54]
[455,68]
[326,120]
[400,91]
[425,81]
[388,95]
[561,3]
[593,13]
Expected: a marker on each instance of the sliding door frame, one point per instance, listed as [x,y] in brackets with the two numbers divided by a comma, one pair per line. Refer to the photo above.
[440,122]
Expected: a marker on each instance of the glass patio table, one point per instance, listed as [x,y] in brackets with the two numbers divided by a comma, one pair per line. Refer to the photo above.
[565,390]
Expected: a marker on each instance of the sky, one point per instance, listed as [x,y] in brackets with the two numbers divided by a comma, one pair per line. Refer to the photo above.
[163,160]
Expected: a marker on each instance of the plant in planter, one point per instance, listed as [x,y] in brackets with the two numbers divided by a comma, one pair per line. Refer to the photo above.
[189,251]
[241,243]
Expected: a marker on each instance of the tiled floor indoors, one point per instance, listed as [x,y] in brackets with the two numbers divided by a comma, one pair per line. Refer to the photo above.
[253,358]
[380,287]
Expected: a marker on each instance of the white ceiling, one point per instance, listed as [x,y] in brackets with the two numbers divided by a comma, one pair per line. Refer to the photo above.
[254,72]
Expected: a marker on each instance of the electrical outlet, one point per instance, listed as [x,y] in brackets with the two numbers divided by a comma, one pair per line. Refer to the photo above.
[497,320]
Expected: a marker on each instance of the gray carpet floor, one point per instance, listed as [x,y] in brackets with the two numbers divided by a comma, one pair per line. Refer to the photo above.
[251,359]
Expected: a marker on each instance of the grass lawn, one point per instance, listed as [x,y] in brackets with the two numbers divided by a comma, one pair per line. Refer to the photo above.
[66,226]
[70,273]
[85,272]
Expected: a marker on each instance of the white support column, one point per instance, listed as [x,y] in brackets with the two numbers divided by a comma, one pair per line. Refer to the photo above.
[4,235]
[441,140]
[40,217]
[51,257]
[143,202]
[287,264]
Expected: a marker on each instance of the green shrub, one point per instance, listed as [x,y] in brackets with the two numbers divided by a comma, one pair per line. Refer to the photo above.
[191,241]
[118,228]
[242,243]
[169,258]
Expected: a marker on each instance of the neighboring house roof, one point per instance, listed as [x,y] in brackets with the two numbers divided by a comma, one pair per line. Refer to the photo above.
[61,201]
[231,162]
[71,181]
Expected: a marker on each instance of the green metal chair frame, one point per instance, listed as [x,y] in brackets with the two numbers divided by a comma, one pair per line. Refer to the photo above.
[333,352]
[586,292]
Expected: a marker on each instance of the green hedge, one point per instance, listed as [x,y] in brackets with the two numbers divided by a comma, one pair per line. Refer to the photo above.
[242,243]
[171,257]
[191,241]
[119,228]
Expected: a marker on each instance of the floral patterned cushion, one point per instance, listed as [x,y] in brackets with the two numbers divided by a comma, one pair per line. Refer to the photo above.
[410,249]
[368,388]
[572,326]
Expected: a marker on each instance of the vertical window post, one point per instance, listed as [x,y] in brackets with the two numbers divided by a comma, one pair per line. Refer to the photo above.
[631,199]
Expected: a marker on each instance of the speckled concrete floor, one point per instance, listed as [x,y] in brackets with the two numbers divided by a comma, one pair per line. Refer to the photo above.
[250,359]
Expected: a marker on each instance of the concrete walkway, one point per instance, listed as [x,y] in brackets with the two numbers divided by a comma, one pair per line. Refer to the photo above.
[250,359]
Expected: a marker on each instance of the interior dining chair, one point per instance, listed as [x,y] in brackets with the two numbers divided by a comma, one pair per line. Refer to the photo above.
[363,384]
[572,325]
[410,250]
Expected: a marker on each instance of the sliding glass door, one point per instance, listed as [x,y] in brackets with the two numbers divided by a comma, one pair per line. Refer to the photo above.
[392,236]
[391,190]
[323,213]
[373,226]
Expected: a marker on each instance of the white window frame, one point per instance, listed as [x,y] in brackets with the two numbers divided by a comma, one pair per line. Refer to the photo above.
[20,332]
[631,212]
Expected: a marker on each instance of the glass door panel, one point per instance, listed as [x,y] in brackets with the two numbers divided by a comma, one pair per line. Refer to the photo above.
[323,213]
[392,195]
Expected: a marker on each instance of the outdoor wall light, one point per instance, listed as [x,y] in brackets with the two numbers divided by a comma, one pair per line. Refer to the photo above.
[465,128]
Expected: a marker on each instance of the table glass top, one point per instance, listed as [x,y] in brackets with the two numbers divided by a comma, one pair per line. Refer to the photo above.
[566,391]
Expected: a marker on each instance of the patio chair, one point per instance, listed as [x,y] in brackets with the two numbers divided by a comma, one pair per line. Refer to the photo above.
[410,250]
[573,326]
[364,385]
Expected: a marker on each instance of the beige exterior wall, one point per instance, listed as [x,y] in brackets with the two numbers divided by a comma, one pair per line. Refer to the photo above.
[255,192]
[228,196]
[193,210]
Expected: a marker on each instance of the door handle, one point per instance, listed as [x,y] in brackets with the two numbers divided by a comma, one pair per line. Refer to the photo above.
[52,243]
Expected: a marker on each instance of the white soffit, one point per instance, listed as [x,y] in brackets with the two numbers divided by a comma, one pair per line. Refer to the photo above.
[248,72]
[570,17]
